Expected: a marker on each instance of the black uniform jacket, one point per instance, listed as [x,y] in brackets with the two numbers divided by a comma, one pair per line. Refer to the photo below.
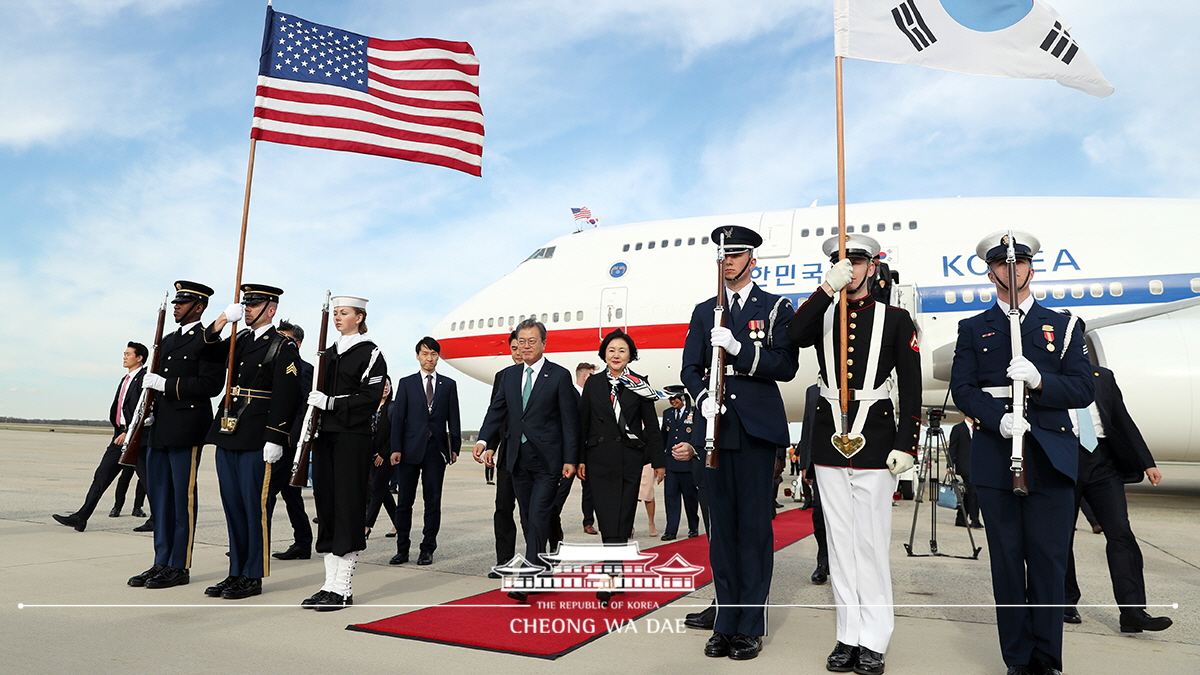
[183,412]
[607,449]
[381,442]
[356,393]
[885,429]
[269,363]
[1127,448]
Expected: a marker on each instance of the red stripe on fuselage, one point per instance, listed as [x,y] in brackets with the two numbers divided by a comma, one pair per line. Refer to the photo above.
[660,336]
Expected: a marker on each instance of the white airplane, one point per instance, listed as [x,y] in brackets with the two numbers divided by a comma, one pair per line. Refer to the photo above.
[1123,265]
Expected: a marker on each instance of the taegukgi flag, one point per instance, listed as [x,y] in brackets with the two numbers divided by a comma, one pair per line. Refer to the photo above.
[999,38]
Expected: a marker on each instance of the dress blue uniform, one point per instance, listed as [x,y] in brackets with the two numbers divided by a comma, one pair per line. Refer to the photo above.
[680,486]
[1028,537]
[752,427]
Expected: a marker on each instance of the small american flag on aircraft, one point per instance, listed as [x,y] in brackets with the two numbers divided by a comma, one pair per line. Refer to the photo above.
[324,87]
[584,213]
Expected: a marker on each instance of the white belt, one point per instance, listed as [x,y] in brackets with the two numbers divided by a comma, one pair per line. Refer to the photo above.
[998,392]
[857,394]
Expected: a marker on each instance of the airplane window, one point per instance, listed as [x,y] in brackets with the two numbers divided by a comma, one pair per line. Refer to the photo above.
[804,232]
[1039,293]
[1058,292]
[566,316]
[985,295]
[472,323]
[543,317]
[452,325]
[620,312]
[522,317]
[579,316]
[625,248]
[549,253]
[651,244]
[679,242]
[491,322]
[968,295]
[1156,287]
[1097,290]
[638,246]
[820,231]
[510,321]
[881,227]
[1196,285]
[703,240]
[912,225]
[664,243]
[691,241]
[832,231]
[895,226]
[1115,289]
[554,318]
[849,229]
[1077,291]
[950,297]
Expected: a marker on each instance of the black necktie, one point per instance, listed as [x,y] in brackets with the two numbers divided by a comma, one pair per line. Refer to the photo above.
[429,390]
[734,310]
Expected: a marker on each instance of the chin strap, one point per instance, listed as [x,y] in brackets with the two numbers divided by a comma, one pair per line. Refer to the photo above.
[744,268]
[1000,280]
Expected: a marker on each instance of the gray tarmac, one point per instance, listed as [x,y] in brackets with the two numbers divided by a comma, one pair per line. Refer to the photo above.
[66,607]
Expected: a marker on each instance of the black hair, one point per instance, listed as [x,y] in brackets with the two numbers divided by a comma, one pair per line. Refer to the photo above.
[430,343]
[613,335]
[140,350]
[296,331]
[512,337]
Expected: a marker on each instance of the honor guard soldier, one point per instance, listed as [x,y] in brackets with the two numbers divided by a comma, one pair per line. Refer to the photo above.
[677,423]
[182,415]
[855,466]
[752,425]
[348,396]
[251,432]
[1028,536]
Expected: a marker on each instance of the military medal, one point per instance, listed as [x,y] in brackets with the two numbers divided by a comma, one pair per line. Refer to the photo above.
[756,329]
[1048,333]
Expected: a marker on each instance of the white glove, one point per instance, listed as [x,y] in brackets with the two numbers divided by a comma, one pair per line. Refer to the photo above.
[149,421]
[155,382]
[1020,368]
[272,452]
[723,337]
[320,401]
[840,274]
[899,461]
[235,312]
[708,408]
[1013,426]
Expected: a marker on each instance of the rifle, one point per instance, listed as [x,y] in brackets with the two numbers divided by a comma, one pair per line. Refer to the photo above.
[133,433]
[716,372]
[310,428]
[1020,482]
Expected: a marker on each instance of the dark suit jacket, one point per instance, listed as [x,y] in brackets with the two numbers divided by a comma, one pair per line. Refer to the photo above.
[1128,449]
[812,396]
[605,441]
[981,358]
[959,449]
[496,442]
[183,412]
[414,422]
[131,398]
[550,422]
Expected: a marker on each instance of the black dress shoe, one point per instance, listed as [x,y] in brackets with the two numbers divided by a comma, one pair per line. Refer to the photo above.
[1137,620]
[138,512]
[1040,667]
[869,662]
[693,533]
[218,588]
[519,596]
[243,588]
[670,536]
[842,659]
[294,552]
[140,580]
[168,577]
[72,521]
[1018,670]
[399,559]
[820,575]
[1071,615]
[702,620]
[744,647]
[425,558]
[333,602]
[147,526]
[115,513]
[717,645]
[495,575]
[313,600]
[977,525]
[604,596]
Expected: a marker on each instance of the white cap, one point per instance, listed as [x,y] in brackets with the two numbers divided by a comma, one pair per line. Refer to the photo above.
[857,246]
[348,301]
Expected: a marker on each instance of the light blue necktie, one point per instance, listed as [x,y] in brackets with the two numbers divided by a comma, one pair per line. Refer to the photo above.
[1087,429]
[525,393]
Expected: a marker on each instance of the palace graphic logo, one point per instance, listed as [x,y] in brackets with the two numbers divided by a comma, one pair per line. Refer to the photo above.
[598,567]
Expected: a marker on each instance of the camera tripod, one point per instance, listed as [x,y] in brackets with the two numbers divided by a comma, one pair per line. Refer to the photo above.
[927,480]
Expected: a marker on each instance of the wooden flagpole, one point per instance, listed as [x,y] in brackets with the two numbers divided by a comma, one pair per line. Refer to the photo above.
[843,354]
[227,423]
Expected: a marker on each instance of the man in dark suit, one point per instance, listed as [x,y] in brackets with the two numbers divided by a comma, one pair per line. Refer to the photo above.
[281,481]
[538,401]
[752,426]
[959,450]
[119,415]
[182,415]
[1028,536]
[251,433]
[677,423]
[582,372]
[1112,452]
[426,435]
[812,397]
[503,522]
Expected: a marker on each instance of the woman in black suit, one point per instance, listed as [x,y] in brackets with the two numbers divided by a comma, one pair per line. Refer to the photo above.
[619,427]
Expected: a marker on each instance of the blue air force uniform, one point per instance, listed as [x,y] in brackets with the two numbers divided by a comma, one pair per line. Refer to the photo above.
[752,427]
[1028,537]
[680,486]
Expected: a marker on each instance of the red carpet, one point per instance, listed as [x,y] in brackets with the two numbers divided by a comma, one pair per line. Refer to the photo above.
[557,623]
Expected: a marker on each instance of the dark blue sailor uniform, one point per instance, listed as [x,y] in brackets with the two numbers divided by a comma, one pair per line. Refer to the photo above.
[1028,537]
[752,427]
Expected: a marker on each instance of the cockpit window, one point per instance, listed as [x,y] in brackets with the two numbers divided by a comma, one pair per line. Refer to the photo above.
[542,253]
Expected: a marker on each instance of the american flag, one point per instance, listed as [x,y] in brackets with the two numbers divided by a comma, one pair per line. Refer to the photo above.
[583,213]
[324,87]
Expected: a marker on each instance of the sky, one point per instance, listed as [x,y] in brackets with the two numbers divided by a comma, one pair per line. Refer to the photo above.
[124,134]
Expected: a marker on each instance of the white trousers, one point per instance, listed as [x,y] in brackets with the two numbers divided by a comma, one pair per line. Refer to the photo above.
[858,530]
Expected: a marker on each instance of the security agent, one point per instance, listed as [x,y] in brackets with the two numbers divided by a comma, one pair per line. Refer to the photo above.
[753,424]
[182,414]
[855,467]
[1028,537]
[251,434]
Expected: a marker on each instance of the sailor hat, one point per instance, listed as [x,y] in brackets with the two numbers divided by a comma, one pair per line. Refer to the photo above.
[857,246]
[348,301]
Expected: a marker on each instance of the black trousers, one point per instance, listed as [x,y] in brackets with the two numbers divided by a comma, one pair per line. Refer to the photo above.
[340,463]
[293,499]
[818,520]
[431,471]
[970,504]
[560,501]
[381,497]
[680,488]
[503,521]
[123,480]
[537,489]
[701,492]
[1101,485]
[106,473]
[589,511]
